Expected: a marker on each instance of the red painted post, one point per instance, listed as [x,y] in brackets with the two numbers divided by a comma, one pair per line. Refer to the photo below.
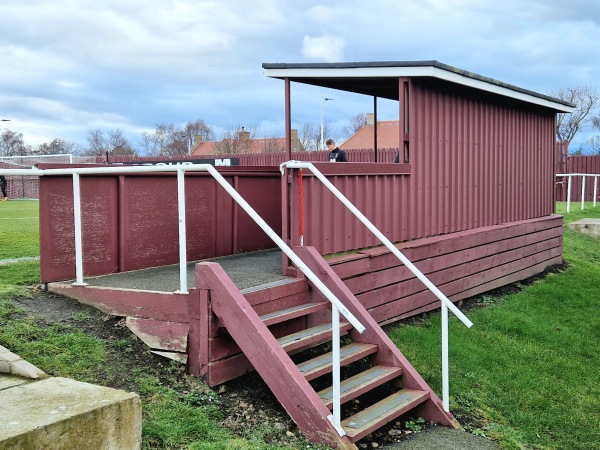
[198,337]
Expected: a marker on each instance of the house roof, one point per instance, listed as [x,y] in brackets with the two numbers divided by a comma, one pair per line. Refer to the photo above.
[258,145]
[205,148]
[380,79]
[388,136]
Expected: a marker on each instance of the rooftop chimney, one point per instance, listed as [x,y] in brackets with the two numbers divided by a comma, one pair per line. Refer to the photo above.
[244,135]
[370,119]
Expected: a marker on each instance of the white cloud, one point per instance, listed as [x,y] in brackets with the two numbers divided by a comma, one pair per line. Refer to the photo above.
[322,14]
[325,48]
[68,66]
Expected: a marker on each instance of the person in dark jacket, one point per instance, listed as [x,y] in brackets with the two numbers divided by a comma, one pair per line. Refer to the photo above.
[3,187]
[335,154]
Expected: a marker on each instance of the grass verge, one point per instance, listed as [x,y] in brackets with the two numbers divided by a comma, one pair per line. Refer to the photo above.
[179,412]
[526,374]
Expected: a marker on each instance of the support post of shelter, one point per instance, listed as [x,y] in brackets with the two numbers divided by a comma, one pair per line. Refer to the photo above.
[375,127]
[288,121]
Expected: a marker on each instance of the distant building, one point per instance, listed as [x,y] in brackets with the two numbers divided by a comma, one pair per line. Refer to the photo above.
[388,135]
[243,144]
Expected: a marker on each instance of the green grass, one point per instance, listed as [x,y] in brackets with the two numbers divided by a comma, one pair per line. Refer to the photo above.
[171,420]
[19,226]
[19,238]
[527,372]
[56,348]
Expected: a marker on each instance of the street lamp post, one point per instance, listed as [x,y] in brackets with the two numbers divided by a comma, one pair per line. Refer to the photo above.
[188,139]
[323,101]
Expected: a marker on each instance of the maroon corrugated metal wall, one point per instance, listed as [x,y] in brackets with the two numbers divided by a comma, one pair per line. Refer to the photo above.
[476,160]
[130,221]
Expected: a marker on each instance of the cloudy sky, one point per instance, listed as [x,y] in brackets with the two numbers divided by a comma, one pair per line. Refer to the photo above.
[68,66]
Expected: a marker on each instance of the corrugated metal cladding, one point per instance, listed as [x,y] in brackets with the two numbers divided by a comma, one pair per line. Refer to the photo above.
[476,160]
[330,227]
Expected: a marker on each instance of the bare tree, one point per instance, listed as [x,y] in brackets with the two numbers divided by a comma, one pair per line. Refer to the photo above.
[237,140]
[11,144]
[586,100]
[97,143]
[191,130]
[156,143]
[589,147]
[357,122]
[272,144]
[114,142]
[58,146]
[168,139]
[309,136]
[118,143]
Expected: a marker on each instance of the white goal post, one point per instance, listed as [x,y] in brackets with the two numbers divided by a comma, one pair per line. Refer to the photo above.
[24,187]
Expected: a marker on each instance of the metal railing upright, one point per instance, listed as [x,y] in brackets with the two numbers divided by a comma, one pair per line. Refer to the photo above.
[337,306]
[569,184]
[445,302]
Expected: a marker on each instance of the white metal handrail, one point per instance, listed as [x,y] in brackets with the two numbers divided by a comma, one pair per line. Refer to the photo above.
[445,302]
[584,175]
[337,306]
[76,172]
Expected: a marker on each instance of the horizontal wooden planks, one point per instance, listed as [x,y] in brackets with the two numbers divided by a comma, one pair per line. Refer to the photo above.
[165,306]
[376,258]
[474,268]
[467,287]
[460,265]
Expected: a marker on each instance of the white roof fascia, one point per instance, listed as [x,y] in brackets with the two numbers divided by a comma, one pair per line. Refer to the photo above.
[419,71]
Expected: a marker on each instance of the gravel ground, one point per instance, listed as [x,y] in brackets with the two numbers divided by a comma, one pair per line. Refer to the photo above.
[435,438]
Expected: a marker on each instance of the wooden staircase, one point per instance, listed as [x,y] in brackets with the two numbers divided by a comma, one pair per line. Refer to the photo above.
[375,368]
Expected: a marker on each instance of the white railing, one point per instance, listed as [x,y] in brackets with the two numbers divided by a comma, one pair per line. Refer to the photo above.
[445,302]
[584,176]
[337,306]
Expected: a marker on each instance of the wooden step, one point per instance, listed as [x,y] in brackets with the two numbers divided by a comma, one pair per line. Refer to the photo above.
[310,337]
[359,384]
[274,284]
[292,313]
[321,365]
[374,417]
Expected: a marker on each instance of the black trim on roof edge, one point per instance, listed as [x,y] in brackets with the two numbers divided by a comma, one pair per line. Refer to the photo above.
[399,64]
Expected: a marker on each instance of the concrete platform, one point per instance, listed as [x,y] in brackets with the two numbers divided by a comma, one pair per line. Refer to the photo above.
[246,270]
[590,227]
[53,413]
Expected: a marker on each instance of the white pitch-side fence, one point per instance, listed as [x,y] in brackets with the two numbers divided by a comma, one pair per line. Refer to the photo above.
[584,177]
[445,302]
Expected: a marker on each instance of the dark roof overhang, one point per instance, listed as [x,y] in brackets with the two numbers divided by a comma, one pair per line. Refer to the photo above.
[380,79]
